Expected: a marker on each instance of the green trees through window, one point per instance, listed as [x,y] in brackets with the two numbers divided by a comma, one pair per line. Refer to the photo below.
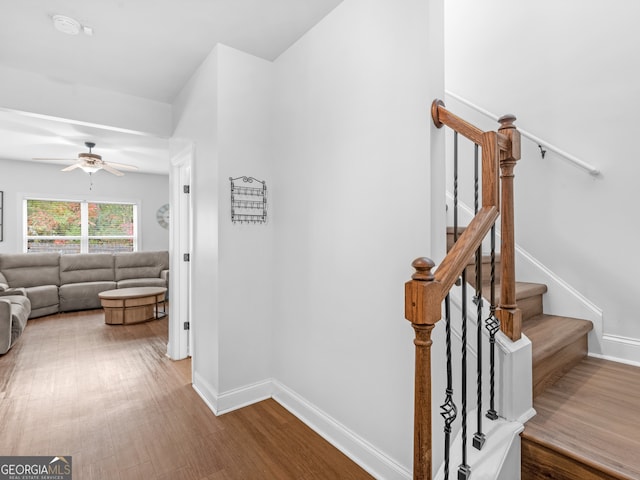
[79,227]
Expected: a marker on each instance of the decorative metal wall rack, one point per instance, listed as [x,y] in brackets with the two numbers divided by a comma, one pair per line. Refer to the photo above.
[248,203]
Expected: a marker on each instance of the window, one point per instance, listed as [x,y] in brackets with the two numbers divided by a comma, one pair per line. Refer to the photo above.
[79,227]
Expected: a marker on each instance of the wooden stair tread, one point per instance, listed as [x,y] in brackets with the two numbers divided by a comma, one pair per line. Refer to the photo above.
[523,290]
[485,260]
[590,417]
[529,289]
[551,333]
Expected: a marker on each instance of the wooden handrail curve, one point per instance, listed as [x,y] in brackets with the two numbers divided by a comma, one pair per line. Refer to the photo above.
[441,116]
[426,290]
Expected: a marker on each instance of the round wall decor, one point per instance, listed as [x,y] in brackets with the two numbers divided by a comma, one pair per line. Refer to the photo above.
[162,216]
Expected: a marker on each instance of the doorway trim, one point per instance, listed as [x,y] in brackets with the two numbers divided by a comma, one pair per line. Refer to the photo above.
[180,234]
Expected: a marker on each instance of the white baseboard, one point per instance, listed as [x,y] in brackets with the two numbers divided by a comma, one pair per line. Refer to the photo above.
[620,349]
[206,391]
[353,446]
[371,459]
[233,399]
[244,396]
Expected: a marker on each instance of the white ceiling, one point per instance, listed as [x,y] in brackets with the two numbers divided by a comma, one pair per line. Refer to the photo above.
[26,137]
[146,48]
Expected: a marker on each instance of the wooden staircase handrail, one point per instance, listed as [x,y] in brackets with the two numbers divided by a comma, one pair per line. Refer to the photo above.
[441,116]
[425,291]
[449,270]
[463,250]
[498,148]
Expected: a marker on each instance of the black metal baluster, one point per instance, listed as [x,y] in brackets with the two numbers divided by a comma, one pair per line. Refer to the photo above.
[479,437]
[455,187]
[492,325]
[449,411]
[464,470]
[476,175]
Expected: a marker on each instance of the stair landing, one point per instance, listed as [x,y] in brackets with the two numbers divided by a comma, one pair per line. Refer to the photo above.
[559,344]
[587,425]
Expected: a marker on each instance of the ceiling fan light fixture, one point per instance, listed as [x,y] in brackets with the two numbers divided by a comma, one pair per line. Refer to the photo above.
[90,168]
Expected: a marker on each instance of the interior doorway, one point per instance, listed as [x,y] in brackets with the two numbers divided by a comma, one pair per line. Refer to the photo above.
[180,228]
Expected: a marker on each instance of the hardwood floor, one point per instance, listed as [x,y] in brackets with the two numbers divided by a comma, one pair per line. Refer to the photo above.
[587,425]
[108,396]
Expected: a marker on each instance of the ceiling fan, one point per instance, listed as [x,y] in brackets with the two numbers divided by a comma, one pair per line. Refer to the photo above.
[92,162]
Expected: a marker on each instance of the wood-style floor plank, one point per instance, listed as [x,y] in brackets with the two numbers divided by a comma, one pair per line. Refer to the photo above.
[108,396]
[593,415]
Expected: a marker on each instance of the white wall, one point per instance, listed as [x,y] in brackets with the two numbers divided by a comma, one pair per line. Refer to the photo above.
[225,110]
[569,78]
[18,179]
[310,306]
[352,210]
[246,250]
[195,119]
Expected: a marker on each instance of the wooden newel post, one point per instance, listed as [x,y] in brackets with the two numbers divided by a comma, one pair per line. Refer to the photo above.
[423,309]
[508,312]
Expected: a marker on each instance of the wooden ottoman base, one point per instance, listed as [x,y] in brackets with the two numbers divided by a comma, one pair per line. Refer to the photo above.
[132,305]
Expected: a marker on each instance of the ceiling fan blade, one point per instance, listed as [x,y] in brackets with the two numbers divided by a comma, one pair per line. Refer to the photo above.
[112,170]
[57,159]
[122,166]
[71,167]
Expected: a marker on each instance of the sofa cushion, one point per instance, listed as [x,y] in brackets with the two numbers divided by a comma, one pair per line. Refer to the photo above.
[142,282]
[30,269]
[20,309]
[86,267]
[14,309]
[82,296]
[42,296]
[140,264]
[5,326]
[41,312]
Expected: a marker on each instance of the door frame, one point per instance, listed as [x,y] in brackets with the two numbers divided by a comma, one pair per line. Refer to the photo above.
[180,234]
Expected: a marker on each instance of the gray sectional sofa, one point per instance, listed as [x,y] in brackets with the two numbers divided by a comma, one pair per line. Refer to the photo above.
[46,283]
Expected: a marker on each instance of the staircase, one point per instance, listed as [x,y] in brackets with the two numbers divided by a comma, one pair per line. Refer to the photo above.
[587,425]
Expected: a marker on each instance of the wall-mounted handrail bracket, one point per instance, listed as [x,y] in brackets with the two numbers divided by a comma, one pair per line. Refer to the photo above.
[434,112]
[543,152]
